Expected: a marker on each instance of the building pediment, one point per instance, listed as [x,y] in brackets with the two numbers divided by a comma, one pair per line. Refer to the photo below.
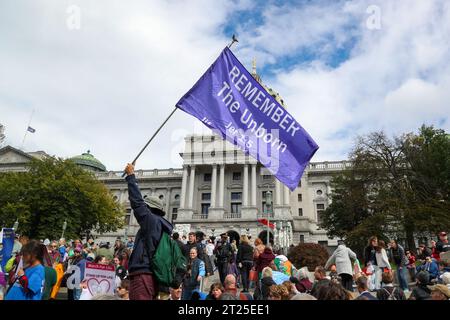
[10,155]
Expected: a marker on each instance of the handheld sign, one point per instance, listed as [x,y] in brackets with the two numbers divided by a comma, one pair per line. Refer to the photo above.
[99,278]
[6,244]
[230,101]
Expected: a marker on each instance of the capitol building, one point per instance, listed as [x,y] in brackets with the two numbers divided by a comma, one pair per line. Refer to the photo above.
[218,189]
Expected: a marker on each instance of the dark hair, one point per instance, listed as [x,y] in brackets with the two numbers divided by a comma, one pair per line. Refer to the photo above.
[175,284]
[214,286]
[320,270]
[361,282]
[423,277]
[191,233]
[98,258]
[125,284]
[381,245]
[118,257]
[175,236]
[195,295]
[332,291]
[372,238]
[34,249]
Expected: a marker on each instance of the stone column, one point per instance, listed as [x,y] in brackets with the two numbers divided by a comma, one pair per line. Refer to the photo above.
[286,195]
[221,185]
[168,195]
[254,185]
[213,186]
[245,187]
[277,192]
[191,188]
[183,187]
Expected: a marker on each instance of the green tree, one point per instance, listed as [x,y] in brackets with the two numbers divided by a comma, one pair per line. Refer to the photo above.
[52,191]
[395,188]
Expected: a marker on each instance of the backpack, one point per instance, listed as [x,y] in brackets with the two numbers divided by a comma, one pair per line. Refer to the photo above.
[391,296]
[168,262]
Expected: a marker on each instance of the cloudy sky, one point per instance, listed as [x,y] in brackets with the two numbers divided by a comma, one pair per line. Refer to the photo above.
[102,75]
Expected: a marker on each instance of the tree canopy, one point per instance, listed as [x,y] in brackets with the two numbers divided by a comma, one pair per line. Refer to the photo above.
[53,191]
[396,188]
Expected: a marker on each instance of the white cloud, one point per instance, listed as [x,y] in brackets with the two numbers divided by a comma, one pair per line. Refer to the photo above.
[107,86]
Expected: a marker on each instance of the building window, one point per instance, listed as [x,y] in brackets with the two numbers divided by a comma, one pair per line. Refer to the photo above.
[319,192]
[300,212]
[205,208]
[115,198]
[300,184]
[177,197]
[206,196]
[236,176]
[267,177]
[320,209]
[207,177]
[127,219]
[323,243]
[266,208]
[161,197]
[236,196]
[302,238]
[236,207]
[174,213]
[299,197]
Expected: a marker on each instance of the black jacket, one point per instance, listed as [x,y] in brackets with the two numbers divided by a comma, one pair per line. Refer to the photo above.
[266,283]
[245,253]
[421,292]
[150,232]
[369,255]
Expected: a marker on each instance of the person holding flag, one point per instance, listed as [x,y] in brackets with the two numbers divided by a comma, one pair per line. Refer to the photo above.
[149,214]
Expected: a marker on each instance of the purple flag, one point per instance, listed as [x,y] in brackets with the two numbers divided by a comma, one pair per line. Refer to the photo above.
[230,101]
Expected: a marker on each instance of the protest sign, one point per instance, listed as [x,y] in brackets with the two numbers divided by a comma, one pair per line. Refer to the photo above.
[230,101]
[99,278]
[6,246]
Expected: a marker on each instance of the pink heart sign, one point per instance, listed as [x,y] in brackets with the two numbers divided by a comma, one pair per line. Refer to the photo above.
[96,287]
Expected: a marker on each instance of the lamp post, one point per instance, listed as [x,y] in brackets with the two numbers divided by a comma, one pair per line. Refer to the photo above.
[269,210]
[64,229]
[126,229]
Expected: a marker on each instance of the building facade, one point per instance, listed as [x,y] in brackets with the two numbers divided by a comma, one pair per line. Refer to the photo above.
[218,189]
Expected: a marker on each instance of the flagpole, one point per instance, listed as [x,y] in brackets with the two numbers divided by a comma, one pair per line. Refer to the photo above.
[233,40]
[26,131]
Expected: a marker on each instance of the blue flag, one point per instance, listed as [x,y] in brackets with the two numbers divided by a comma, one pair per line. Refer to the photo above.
[32,130]
[230,101]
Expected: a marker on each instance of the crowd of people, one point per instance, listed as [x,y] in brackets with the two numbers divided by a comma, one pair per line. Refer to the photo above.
[221,268]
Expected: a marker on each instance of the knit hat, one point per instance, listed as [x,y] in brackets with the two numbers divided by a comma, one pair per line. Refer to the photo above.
[154,202]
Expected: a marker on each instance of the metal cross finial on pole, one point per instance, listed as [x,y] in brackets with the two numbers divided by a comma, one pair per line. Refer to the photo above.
[233,40]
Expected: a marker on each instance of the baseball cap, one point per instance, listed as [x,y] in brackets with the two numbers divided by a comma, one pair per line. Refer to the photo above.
[443,234]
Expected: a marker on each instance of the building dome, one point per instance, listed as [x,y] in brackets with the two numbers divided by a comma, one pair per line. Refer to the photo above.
[274,94]
[89,162]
